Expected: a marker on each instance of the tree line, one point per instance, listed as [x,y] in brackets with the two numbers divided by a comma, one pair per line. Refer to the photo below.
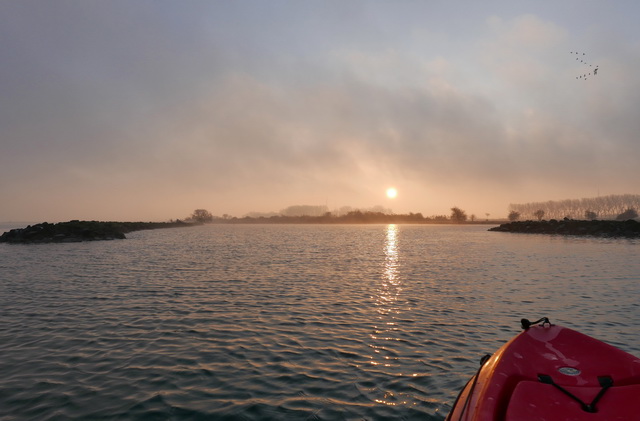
[622,206]
[351,217]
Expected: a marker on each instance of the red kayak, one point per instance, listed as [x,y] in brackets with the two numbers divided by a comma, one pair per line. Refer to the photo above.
[552,373]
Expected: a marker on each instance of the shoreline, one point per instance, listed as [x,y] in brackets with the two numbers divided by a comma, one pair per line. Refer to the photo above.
[79,231]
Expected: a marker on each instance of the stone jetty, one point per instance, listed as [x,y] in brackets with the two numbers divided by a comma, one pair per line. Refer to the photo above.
[76,231]
[596,228]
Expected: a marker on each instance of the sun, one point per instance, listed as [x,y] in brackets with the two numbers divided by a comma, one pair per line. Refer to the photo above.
[392,193]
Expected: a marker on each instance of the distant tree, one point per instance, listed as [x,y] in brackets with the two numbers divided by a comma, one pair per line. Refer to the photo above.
[487,215]
[630,213]
[472,217]
[514,216]
[590,215]
[304,210]
[458,215]
[539,214]
[201,215]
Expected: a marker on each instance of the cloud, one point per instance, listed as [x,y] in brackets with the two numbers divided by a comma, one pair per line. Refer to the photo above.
[168,106]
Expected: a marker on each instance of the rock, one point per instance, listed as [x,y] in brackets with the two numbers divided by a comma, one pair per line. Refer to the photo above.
[627,229]
[76,231]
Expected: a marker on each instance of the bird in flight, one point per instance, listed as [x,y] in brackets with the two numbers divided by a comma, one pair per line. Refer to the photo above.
[583,60]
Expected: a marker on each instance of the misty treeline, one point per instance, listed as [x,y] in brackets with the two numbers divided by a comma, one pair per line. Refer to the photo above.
[353,217]
[347,214]
[316,211]
[313,210]
[321,215]
[602,207]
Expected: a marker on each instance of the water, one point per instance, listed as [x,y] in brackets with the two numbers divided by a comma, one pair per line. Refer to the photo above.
[297,322]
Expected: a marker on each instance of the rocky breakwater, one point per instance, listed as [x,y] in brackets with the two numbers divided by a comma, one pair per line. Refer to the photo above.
[76,231]
[627,229]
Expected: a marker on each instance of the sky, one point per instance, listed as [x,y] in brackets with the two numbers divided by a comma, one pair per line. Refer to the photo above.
[149,109]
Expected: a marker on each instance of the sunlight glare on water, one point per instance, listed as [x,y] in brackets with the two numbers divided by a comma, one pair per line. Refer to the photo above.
[387,332]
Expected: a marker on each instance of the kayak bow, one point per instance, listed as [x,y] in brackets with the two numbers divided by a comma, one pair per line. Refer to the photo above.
[552,373]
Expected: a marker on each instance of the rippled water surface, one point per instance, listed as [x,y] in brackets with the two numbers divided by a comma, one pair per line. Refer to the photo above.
[287,322]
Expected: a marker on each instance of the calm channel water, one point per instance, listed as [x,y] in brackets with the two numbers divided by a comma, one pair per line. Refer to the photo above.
[289,322]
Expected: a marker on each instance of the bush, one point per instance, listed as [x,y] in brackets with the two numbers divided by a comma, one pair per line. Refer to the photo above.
[628,214]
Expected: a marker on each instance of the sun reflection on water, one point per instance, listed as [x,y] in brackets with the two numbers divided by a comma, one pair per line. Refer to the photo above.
[386,341]
[391,254]
[390,288]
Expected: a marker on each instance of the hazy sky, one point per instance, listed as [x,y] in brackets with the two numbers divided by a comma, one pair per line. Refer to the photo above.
[147,110]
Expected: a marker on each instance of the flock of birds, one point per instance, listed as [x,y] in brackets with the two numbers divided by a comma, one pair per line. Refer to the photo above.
[583,60]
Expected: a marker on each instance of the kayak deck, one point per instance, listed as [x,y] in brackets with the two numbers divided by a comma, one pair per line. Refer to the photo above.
[617,403]
[549,373]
